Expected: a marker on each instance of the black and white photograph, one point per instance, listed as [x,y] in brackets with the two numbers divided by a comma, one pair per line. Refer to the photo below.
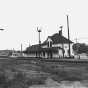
[43,43]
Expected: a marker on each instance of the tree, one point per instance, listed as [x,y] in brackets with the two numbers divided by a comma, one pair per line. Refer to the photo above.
[80,48]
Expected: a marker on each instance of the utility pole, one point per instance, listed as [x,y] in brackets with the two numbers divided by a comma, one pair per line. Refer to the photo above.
[76,40]
[62,42]
[21,49]
[68,37]
[39,31]
[39,35]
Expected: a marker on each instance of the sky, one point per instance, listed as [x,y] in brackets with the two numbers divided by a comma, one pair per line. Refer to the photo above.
[20,19]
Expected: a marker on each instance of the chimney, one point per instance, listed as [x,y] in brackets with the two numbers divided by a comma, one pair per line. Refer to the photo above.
[60,32]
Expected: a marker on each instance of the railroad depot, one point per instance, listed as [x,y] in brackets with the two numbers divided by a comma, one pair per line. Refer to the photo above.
[54,46]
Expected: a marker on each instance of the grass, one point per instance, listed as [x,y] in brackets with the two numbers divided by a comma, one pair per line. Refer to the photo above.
[19,80]
[66,72]
[22,74]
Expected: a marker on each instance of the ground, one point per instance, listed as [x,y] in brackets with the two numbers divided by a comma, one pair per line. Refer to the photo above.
[26,73]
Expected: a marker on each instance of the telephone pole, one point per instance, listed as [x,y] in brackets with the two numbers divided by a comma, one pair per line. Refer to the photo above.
[76,40]
[39,31]
[68,37]
[21,50]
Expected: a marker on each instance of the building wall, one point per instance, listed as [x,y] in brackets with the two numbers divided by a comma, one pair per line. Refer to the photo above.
[55,55]
[44,46]
[60,53]
[43,55]
[66,48]
[31,55]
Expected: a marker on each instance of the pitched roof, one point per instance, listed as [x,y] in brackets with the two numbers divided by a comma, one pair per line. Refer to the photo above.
[33,48]
[57,38]
[37,48]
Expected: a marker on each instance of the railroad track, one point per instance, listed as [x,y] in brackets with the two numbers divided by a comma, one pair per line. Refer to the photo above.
[34,60]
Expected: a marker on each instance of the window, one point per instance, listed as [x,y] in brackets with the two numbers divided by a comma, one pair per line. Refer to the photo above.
[49,41]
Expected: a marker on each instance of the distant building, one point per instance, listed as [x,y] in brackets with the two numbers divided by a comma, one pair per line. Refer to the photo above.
[54,46]
[81,56]
[9,52]
[5,52]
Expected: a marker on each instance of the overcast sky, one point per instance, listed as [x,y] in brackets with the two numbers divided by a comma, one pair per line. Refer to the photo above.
[20,19]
